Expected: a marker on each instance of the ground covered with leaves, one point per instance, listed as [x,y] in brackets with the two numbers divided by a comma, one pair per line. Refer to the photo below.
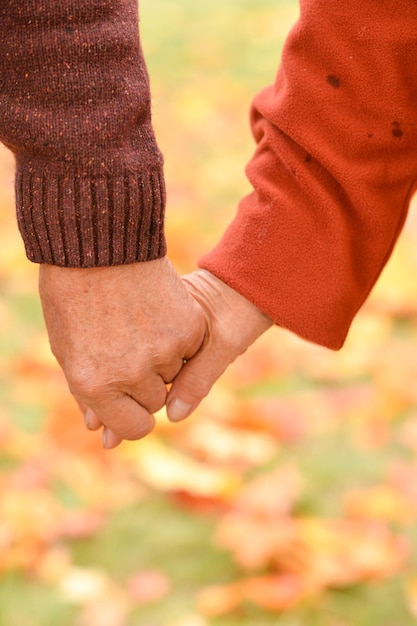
[290,496]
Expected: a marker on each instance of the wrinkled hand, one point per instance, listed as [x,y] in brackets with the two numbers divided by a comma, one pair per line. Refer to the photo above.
[233,324]
[120,334]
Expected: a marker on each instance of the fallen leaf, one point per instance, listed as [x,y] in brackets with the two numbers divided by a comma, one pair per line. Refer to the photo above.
[381,503]
[169,470]
[111,610]
[148,586]
[85,585]
[274,593]
[219,600]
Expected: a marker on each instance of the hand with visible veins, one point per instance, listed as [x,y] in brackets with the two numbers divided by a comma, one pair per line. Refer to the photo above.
[120,335]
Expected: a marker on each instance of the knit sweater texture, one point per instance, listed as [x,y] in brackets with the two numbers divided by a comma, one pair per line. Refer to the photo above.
[75,110]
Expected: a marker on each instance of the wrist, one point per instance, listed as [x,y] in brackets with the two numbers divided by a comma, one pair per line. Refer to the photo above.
[243,321]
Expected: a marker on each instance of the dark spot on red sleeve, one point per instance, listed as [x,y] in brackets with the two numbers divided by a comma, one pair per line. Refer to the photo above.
[334,81]
[370,135]
[308,158]
[396,130]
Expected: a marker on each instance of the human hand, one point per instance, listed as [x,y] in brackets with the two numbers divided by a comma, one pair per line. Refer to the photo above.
[233,323]
[120,334]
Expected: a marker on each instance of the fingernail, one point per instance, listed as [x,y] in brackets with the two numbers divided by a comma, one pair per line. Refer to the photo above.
[88,417]
[178,410]
[105,438]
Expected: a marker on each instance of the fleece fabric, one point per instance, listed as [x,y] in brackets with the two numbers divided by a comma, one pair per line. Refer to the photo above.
[334,168]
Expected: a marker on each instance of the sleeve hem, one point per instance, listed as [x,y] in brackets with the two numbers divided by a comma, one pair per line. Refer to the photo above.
[91,221]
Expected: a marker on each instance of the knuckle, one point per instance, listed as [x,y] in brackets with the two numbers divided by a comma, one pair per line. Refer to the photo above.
[156,405]
[158,399]
[134,430]
[169,351]
[84,383]
[139,431]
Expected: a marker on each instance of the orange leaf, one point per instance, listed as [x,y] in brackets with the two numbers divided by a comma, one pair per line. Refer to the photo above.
[148,586]
[219,600]
[381,502]
[274,593]
[256,542]
[271,495]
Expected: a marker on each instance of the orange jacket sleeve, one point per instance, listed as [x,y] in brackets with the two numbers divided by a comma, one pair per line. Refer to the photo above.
[334,168]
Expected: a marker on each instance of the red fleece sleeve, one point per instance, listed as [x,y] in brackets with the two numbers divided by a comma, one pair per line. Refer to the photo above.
[334,169]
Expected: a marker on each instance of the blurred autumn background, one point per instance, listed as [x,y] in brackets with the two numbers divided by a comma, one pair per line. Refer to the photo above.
[290,497]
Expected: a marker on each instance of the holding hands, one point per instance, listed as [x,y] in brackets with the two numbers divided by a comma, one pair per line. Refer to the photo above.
[121,334]
[232,324]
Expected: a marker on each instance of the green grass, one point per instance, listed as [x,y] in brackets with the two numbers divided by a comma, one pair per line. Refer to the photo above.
[24,602]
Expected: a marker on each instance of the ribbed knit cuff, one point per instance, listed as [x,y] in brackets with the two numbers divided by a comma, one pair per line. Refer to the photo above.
[84,221]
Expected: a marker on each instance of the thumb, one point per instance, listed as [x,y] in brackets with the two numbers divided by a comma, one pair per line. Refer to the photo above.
[193,383]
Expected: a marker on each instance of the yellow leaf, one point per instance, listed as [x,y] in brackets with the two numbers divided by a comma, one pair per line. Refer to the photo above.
[166,469]
[219,600]
[82,585]
[381,503]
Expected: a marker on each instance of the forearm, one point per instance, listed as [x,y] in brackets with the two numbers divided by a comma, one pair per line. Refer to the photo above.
[75,110]
[334,169]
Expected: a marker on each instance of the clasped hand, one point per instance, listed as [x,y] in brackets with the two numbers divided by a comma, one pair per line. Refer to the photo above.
[121,334]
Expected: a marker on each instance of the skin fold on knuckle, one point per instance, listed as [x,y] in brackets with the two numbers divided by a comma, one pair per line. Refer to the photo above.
[85,383]
[142,427]
[151,403]
[150,395]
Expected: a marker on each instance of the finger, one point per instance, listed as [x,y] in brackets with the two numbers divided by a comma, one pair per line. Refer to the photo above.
[152,395]
[150,399]
[192,344]
[125,417]
[91,420]
[169,372]
[83,407]
[194,382]
[199,338]
[109,439]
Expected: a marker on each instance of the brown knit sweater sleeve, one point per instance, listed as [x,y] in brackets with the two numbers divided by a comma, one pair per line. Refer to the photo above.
[75,110]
